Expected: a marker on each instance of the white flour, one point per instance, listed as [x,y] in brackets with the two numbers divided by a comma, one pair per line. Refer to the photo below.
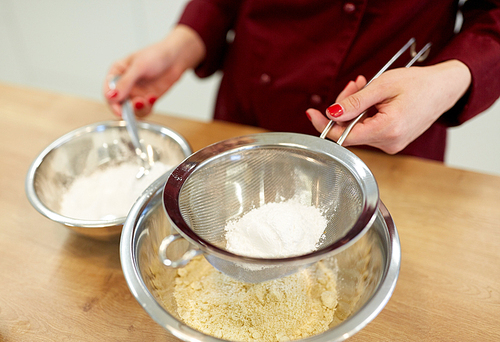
[109,192]
[276,230]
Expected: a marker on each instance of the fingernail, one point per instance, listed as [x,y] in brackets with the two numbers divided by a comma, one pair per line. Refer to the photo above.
[335,110]
[139,105]
[152,100]
[111,94]
[308,116]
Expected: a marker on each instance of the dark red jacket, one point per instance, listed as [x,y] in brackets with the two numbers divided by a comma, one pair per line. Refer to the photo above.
[291,55]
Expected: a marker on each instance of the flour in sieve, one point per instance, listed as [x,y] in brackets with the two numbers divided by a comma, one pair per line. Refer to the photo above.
[276,230]
[109,192]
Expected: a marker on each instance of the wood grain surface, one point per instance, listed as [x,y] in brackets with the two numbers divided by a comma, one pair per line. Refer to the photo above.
[58,286]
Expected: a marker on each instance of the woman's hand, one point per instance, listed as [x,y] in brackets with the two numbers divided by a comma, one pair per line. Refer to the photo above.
[407,102]
[149,73]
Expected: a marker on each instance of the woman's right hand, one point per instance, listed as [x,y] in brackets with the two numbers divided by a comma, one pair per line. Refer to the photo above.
[407,102]
[147,74]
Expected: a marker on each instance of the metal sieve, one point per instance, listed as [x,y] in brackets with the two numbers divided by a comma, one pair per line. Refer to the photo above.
[226,180]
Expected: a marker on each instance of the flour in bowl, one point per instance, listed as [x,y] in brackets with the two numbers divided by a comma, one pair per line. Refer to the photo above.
[285,309]
[276,230]
[109,192]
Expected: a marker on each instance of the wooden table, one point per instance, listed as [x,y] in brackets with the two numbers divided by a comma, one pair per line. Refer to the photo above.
[58,286]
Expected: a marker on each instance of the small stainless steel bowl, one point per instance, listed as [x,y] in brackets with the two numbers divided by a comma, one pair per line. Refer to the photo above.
[83,151]
[361,295]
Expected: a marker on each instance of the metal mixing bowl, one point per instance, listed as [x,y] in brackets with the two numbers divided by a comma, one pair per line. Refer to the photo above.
[367,270]
[83,151]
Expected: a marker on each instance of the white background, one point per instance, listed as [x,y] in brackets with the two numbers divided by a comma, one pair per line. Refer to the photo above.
[67,46]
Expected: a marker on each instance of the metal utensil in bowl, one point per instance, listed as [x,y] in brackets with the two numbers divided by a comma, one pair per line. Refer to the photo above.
[83,151]
[147,225]
[146,154]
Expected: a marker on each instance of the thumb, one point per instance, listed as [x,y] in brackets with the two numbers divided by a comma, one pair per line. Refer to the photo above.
[120,85]
[353,105]
[125,83]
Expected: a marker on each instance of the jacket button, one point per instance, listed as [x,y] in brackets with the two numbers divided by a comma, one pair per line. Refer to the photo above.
[265,78]
[315,99]
[349,7]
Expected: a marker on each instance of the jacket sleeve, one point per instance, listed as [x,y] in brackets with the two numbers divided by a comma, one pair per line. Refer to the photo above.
[211,19]
[478,46]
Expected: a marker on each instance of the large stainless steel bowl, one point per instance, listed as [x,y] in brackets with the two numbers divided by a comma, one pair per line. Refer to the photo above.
[83,151]
[362,292]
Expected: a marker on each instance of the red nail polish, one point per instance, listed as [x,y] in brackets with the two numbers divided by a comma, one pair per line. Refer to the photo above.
[335,110]
[139,105]
[308,116]
[152,100]
[111,94]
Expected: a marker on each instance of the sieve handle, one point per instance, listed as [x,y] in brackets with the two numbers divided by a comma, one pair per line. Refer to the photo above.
[420,56]
[348,129]
[183,260]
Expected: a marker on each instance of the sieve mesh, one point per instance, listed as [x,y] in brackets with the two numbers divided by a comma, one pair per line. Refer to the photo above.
[229,186]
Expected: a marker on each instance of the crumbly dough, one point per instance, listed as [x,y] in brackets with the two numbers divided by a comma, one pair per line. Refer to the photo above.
[285,309]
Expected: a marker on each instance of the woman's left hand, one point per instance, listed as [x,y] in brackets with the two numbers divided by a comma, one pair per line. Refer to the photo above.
[408,101]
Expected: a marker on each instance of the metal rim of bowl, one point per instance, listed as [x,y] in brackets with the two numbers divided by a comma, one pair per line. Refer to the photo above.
[341,332]
[71,222]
